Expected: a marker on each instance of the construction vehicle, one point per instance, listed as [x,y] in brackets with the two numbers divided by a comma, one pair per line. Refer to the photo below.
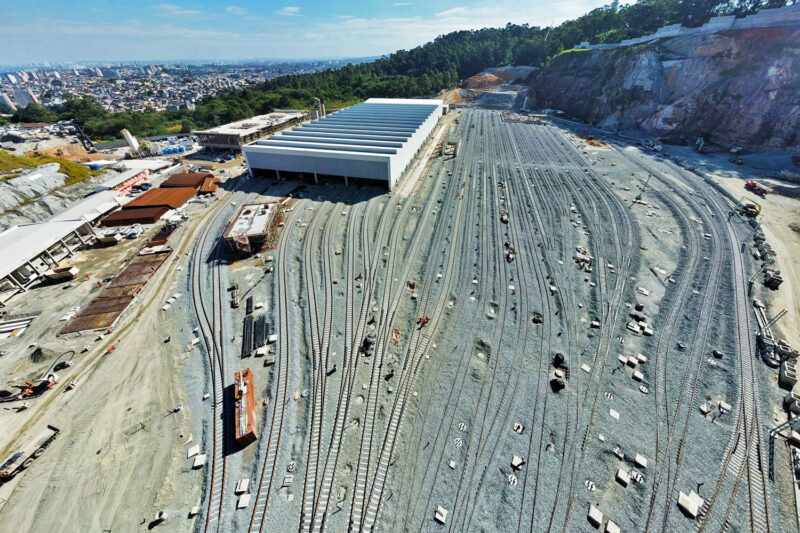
[30,390]
[755,188]
[22,458]
[750,209]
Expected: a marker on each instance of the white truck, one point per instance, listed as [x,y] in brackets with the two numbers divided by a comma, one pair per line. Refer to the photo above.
[22,458]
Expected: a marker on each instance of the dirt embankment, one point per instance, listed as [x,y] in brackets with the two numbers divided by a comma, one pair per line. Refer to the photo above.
[737,87]
[482,81]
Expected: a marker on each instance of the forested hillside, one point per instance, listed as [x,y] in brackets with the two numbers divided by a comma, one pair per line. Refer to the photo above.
[424,70]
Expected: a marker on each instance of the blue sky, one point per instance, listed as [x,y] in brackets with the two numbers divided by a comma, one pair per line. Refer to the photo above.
[63,31]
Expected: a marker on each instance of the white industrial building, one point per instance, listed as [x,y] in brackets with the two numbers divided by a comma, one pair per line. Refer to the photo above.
[374,140]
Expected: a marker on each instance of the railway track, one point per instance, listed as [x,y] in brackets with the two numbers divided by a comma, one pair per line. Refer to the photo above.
[620,245]
[495,172]
[418,345]
[211,331]
[477,275]
[266,477]
[355,219]
[672,452]
[529,178]
[320,327]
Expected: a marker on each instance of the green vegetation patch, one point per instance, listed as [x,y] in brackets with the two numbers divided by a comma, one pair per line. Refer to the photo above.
[10,164]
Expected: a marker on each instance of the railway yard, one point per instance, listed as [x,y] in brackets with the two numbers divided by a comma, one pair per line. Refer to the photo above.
[540,333]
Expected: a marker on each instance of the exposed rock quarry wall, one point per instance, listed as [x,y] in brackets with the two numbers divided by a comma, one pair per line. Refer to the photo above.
[735,87]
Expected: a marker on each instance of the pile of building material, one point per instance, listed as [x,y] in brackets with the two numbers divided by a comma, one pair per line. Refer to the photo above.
[256,334]
[772,279]
[583,259]
[14,326]
[106,308]
[57,274]
[763,251]
[639,324]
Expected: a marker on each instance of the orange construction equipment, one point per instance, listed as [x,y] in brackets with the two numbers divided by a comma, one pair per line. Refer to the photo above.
[244,401]
[755,188]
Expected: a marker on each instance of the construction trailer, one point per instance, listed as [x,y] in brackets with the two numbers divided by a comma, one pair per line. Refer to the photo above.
[375,140]
[244,402]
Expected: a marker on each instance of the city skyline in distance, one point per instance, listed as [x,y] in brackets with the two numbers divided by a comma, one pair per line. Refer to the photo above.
[58,32]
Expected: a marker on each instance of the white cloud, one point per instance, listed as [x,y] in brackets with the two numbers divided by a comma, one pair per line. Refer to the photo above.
[248,37]
[288,11]
[236,10]
[452,12]
[176,11]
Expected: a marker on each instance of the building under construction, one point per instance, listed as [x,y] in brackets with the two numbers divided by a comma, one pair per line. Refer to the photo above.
[236,134]
[249,227]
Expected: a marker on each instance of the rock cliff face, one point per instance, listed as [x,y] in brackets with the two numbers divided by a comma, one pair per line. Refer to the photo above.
[739,87]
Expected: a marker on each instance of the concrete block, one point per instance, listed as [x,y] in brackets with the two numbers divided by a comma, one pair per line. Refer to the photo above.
[640,460]
[623,477]
[595,516]
[690,503]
